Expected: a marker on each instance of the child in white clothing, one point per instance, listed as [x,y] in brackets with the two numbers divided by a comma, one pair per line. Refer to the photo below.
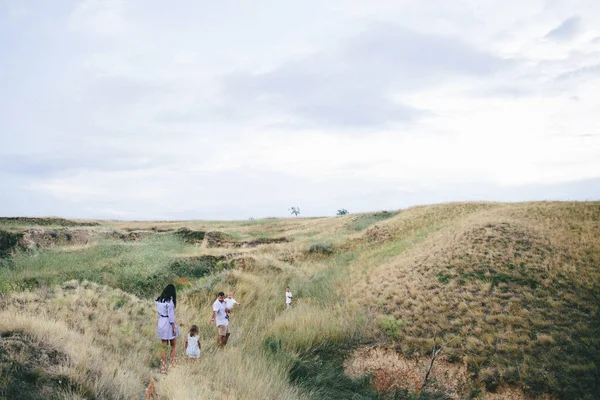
[288,297]
[230,301]
[192,343]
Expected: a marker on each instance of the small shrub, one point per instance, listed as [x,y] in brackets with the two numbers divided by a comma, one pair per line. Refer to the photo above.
[119,302]
[392,326]
[490,378]
[321,248]
[545,339]
[444,278]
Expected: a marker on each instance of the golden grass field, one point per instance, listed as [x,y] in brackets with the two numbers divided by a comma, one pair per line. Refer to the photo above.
[511,291]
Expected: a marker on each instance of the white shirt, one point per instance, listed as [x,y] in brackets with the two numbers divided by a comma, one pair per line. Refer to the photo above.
[288,297]
[230,302]
[219,309]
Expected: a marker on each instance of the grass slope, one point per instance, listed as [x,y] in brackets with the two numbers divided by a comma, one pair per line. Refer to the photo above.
[517,285]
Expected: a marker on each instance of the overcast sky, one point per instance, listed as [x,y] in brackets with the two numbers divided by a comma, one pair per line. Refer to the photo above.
[148,109]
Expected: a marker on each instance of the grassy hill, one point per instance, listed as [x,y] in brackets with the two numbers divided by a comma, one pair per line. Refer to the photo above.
[511,293]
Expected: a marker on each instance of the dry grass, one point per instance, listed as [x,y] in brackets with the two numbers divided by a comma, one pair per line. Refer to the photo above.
[499,278]
[233,373]
[267,227]
[102,332]
[266,338]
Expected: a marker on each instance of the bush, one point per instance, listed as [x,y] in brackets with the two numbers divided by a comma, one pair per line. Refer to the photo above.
[190,236]
[321,248]
[8,242]
[392,326]
[195,266]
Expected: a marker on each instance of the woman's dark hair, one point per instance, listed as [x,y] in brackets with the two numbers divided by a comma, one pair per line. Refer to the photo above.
[169,293]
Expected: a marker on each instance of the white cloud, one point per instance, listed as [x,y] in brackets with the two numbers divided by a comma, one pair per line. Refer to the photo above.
[567,30]
[140,109]
[101,18]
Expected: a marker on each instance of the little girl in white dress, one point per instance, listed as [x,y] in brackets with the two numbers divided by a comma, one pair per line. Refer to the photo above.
[192,343]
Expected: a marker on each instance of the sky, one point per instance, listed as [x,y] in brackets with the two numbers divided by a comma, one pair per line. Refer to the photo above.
[146,109]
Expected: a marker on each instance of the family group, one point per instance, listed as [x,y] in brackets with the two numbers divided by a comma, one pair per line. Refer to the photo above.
[168,330]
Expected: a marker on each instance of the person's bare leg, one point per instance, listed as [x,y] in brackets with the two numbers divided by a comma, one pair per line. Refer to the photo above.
[173,352]
[226,337]
[163,361]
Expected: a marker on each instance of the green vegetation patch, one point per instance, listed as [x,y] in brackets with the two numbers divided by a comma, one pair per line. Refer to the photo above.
[198,266]
[392,327]
[140,267]
[320,373]
[217,239]
[321,248]
[26,221]
[363,221]
[191,236]
[496,278]
[444,277]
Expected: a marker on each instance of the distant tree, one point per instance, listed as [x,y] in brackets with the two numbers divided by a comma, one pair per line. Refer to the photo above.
[342,211]
[295,210]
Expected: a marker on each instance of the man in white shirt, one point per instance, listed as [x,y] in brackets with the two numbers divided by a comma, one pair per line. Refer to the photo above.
[288,297]
[220,315]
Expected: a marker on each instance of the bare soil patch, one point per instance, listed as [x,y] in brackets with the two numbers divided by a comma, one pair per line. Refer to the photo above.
[41,238]
[390,371]
[36,238]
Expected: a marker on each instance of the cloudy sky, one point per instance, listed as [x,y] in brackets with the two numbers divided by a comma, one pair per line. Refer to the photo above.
[148,109]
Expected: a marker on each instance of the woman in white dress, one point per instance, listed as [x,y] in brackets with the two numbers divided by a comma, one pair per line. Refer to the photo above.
[168,331]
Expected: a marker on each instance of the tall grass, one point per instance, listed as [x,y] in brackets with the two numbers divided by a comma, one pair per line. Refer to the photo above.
[138,267]
[102,332]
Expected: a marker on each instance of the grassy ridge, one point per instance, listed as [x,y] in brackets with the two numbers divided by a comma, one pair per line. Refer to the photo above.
[517,285]
[52,222]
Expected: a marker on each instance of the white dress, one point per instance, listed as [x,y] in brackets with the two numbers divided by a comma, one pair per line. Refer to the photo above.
[192,350]
[166,317]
